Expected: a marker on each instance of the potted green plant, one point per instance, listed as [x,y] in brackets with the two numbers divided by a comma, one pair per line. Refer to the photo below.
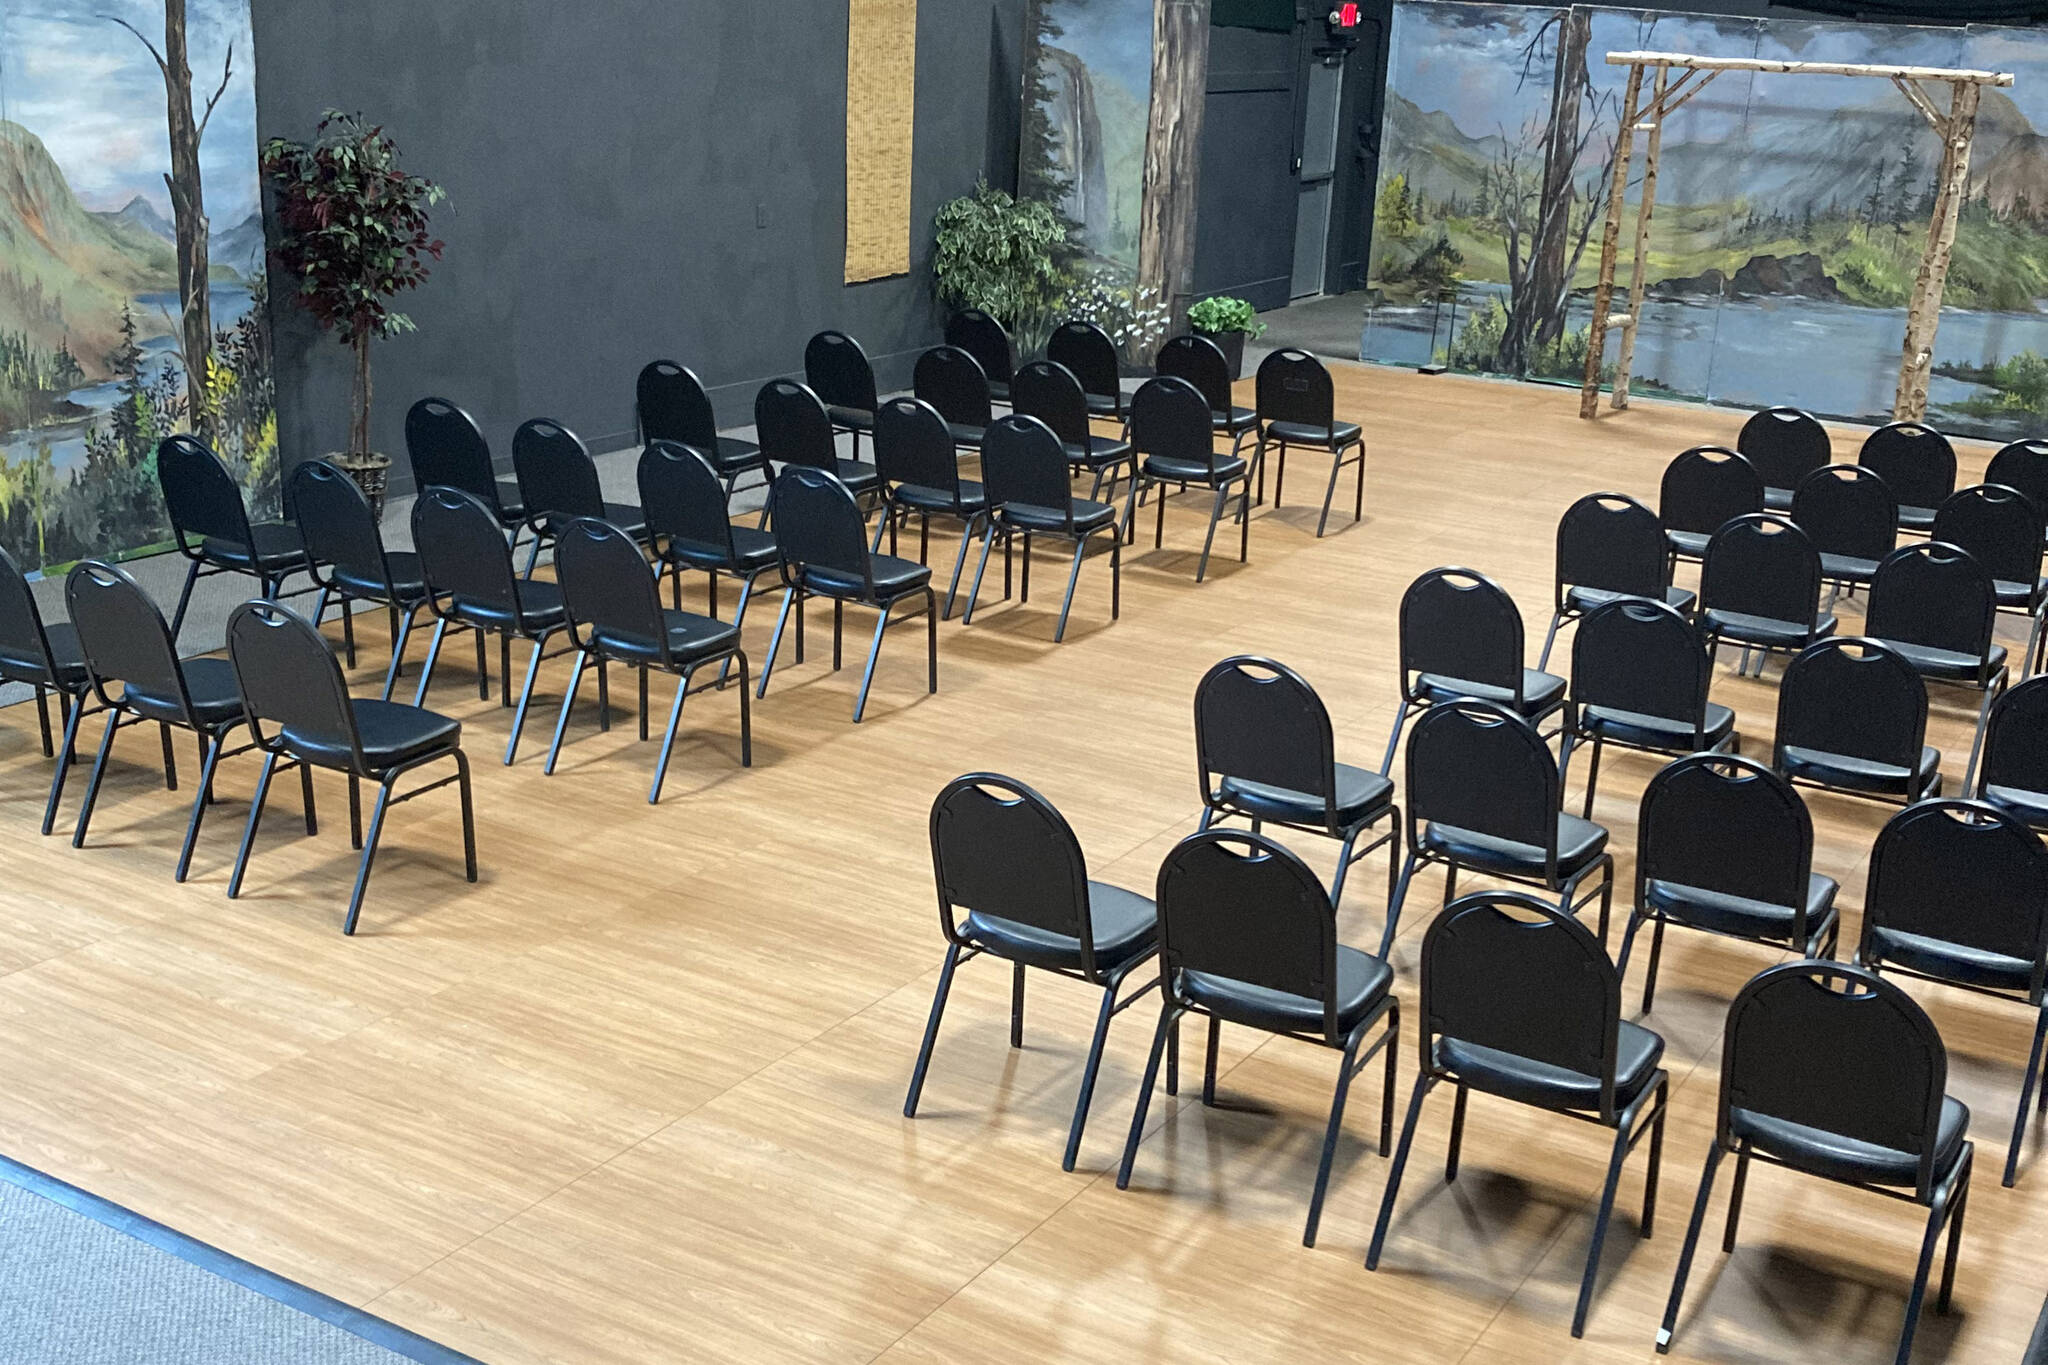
[352,229]
[1227,322]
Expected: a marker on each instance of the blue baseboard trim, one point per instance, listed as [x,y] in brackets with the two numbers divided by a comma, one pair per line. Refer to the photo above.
[348,1318]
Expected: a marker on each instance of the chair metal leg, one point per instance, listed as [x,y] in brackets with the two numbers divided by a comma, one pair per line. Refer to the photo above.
[1330,493]
[1543,659]
[355,812]
[931,1031]
[1604,1214]
[1394,739]
[483,667]
[1692,1241]
[419,695]
[43,717]
[1456,1149]
[1279,474]
[468,815]
[1159,523]
[1215,515]
[213,748]
[668,738]
[1073,578]
[320,607]
[1394,903]
[1244,523]
[525,698]
[1424,1083]
[959,563]
[306,798]
[641,675]
[988,540]
[1929,1240]
[2019,1120]
[775,641]
[1169,1019]
[1330,1133]
[505,667]
[1991,694]
[249,830]
[1343,867]
[348,631]
[1735,1198]
[867,677]
[163,733]
[1592,778]
[65,754]
[568,704]
[1088,1072]
[92,784]
[931,641]
[184,601]
[398,644]
[376,832]
[1209,1060]
[1955,1245]
[1016,1004]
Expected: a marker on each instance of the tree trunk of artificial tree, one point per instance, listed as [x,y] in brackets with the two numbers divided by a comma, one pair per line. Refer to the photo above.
[1547,285]
[359,398]
[188,215]
[1173,135]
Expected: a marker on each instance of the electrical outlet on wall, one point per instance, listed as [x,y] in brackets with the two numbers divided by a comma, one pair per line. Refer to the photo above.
[760,214]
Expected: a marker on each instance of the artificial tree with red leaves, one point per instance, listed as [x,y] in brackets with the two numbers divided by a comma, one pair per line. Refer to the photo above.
[353,231]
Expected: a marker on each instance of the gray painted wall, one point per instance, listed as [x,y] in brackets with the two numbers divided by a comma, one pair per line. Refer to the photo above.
[627,179]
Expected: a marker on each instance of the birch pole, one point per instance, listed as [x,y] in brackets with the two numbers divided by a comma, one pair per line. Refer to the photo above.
[1610,243]
[1923,315]
[1638,283]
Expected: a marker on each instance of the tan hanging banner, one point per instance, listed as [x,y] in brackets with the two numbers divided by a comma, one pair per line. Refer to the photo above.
[881,111]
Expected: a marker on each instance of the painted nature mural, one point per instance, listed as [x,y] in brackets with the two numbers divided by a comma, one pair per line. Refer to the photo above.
[1791,212]
[131,267]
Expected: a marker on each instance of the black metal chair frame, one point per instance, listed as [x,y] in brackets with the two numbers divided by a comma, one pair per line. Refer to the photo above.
[661,539]
[936,379]
[896,510]
[1218,479]
[1106,399]
[730,458]
[403,611]
[1990,771]
[1201,362]
[543,522]
[971,330]
[1894,466]
[1993,672]
[481,479]
[1821,626]
[1330,443]
[1563,607]
[1778,497]
[1738,470]
[1838,479]
[1933,786]
[2035,606]
[1048,390]
[1002,520]
[852,408]
[192,540]
[43,674]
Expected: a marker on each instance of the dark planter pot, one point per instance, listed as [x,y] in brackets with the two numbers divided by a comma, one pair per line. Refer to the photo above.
[371,473]
[1232,346]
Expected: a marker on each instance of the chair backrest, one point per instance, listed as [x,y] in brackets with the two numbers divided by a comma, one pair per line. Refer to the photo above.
[447,449]
[1707,487]
[953,382]
[1762,565]
[1171,419]
[838,371]
[201,496]
[463,554]
[289,678]
[1258,720]
[2016,738]
[982,337]
[672,406]
[1200,361]
[1836,1047]
[791,424]
[913,446]
[1294,386]
[1633,654]
[1933,595]
[683,499]
[1241,906]
[1961,872]
[819,526]
[1846,509]
[24,644]
[1477,766]
[1503,970]
[1085,349]
[609,589]
[2022,465]
[557,478]
[1853,697]
[1001,849]
[122,632]
[1916,462]
[1023,464]
[1785,445]
[1047,390]
[1612,542]
[1458,623]
[336,522]
[1726,823]
[2001,527]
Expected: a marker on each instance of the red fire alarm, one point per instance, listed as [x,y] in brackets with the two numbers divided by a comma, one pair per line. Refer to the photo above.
[1342,25]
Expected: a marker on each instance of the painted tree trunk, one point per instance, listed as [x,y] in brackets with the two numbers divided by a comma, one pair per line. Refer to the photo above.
[1610,243]
[188,218]
[1923,314]
[1173,133]
[1537,312]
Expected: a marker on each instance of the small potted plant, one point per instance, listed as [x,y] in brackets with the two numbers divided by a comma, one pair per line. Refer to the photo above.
[352,229]
[1227,322]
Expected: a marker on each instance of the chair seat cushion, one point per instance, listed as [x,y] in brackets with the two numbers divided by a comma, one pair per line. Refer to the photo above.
[1819,1152]
[893,578]
[511,511]
[970,437]
[1099,453]
[1234,421]
[278,549]
[973,497]
[1691,544]
[859,477]
[1579,843]
[1949,665]
[391,733]
[1586,599]
[1947,961]
[690,637]
[1916,518]
[1847,568]
[1362,982]
[2030,806]
[1862,774]
[1659,734]
[999,390]
[1745,629]
[540,608]
[408,585]
[2024,595]
[1026,516]
[1126,927]
[751,550]
[850,419]
[1309,434]
[1739,916]
[28,665]
[1636,1055]
[733,456]
[1361,794]
[1172,469]
[625,516]
[210,683]
[1777,499]
[1105,405]
[1542,693]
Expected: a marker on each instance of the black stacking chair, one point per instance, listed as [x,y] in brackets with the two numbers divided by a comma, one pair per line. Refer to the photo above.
[447,450]
[1609,546]
[1484,794]
[345,548]
[1174,444]
[1086,350]
[1704,489]
[1849,515]
[1724,845]
[122,635]
[1048,391]
[672,405]
[1828,1070]
[2014,775]
[796,432]
[300,711]
[1519,1001]
[823,544]
[1461,636]
[1917,464]
[2003,529]
[212,526]
[951,381]
[558,482]
[1852,717]
[471,586]
[1640,673]
[1298,407]
[1955,897]
[1264,743]
[1760,583]
[1024,472]
[49,659]
[1200,361]
[1247,936]
[1003,854]
[613,597]
[982,337]
[920,476]
[837,370]
[689,525]
[1936,606]
[1784,445]
[2022,465]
